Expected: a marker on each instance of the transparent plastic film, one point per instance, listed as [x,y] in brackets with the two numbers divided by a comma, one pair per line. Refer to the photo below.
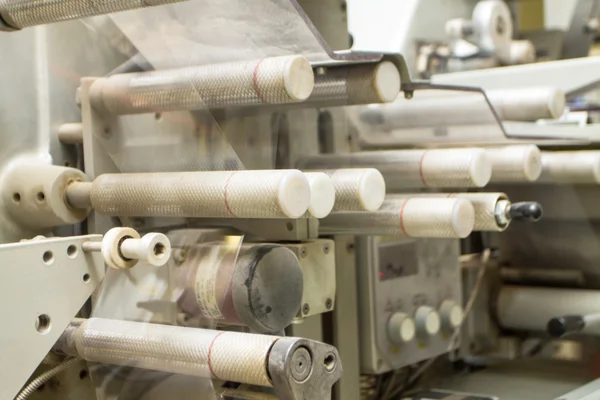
[133,307]
[434,116]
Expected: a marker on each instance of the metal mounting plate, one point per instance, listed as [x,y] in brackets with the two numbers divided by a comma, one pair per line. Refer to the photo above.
[50,280]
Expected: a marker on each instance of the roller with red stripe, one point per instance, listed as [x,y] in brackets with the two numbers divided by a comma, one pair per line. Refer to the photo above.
[404,169]
[207,194]
[412,217]
[276,80]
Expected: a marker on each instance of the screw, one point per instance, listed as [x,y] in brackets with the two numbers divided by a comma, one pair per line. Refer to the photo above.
[326,249]
[301,364]
[305,308]
[289,226]
[350,248]
[303,252]
[328,304]
[107,132]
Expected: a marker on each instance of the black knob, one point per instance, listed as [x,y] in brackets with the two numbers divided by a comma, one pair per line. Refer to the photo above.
[562,326]
[526,211]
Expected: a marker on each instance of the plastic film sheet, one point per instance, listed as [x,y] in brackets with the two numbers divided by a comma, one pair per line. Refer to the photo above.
[196,274]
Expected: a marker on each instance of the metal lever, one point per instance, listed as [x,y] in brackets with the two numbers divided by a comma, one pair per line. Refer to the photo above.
[526,211]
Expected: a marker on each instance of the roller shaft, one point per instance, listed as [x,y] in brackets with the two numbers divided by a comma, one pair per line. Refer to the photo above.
[276,80]
[515,163]
[416,217]
[19,14]
[357,84]
[357,189]
[531,308]
[221,194]
[571,167]
[230,356]
[490,208]
[466,167]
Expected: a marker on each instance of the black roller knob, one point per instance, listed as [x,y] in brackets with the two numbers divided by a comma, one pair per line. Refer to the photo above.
[526,211]
[566,325]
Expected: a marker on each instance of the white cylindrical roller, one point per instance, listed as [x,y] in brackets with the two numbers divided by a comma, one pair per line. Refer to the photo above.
[528,104]
[154,248]
[492,24]
[219,194]
[322,194]
[71,133]
[229,356]
[416,217]
[401,169]
[571,167]
[427,321]
[489,208]
[276,80]
[521,52]
[467,108]
[34,195]
[515,163]
[451,315]
[357,189]
[357,84]
[530,308]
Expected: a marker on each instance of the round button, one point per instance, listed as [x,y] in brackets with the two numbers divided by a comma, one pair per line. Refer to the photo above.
[427,321]
[401,328]
[452,315]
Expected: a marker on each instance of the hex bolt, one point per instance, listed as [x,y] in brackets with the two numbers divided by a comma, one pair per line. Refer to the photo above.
[122,248]
[303,252]
[305,308]
[328,304]
[301,364]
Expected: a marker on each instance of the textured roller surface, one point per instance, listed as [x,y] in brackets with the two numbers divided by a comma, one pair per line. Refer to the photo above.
[357,189]
[276,80]
[322,194]
[571,167]
[413,217]
[515,163]
[528,104]
[231,356]
[225,194]
[484,206]
[357,84]
[24,13]
[438,168]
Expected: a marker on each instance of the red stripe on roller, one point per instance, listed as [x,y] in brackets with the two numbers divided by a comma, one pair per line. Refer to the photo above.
[255,82]
[225,195]
[402,218]
[212,373]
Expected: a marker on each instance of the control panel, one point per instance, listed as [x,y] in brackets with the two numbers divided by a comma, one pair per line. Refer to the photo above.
[409,299]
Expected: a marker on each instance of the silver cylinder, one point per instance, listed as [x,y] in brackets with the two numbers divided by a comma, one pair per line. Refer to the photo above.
[530,308]
[276,80]
[571,167]
[402,169]
[230,356]
[416,217]
[18,14]
[219,194]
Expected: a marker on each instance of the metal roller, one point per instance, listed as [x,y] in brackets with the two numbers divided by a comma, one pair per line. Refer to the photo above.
[356,84]
[219,194]
[297,368]
[18,14]
[415,217]
[515,163]
[34,195]
[571,167]
[357,189]
[322,194]
[402,169]
[276,80]
[531,308]
[260,287]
